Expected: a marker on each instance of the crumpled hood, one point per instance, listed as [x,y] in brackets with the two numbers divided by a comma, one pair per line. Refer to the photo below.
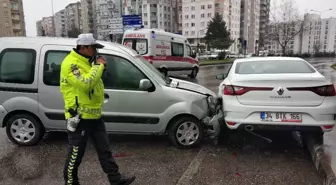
[189,86]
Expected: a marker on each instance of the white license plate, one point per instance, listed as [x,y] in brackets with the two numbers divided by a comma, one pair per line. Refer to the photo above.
[281,116]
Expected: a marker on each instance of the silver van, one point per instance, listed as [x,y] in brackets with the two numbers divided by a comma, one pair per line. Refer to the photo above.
[138,98]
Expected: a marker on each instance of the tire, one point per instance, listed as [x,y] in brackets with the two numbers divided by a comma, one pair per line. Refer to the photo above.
[32,130]
[194,72]
[178,125]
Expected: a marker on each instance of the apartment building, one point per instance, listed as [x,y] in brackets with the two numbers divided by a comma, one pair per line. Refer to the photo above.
[60,30]
[39,28]
[195,17]
[105,11]
[249,24]
[264,22]
[230,10]
[88,15]
[161,14]
[12,21]
[73,17]
[319,34]
[48,26]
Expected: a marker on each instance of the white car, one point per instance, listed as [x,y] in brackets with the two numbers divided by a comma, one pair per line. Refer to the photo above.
[277,93]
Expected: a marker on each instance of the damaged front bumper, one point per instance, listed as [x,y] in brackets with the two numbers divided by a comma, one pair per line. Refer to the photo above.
[213,124]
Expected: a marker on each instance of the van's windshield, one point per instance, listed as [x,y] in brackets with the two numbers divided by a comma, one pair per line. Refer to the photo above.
[139,45]
[162,79]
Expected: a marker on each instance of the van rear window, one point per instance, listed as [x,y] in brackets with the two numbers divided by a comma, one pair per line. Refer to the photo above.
[139,45]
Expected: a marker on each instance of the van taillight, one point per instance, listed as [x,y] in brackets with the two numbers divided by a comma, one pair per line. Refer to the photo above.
[232,90]
[149,59]
[327,90]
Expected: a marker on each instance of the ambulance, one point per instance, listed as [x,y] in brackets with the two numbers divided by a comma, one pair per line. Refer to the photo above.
[170,53]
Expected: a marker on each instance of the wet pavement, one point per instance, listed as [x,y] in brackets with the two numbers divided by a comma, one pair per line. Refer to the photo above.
[239,159]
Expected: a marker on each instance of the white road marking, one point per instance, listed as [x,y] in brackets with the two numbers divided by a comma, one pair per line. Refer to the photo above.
[192,168]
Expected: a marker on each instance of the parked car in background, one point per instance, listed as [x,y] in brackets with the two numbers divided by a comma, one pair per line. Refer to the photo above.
[138,98]
[170,53]
[280,93]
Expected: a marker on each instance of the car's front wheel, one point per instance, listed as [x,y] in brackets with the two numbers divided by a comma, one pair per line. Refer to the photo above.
[24,130]
[194,73]
[186,132]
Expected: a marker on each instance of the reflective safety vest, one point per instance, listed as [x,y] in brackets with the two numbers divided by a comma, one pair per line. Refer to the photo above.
[81,86]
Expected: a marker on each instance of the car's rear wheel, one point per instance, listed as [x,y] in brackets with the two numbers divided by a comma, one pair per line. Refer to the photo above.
[194,73]
[316,137]
[24,130]
[186,132]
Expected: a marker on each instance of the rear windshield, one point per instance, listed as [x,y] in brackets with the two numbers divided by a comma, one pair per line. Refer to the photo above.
[273,67]
[139,45]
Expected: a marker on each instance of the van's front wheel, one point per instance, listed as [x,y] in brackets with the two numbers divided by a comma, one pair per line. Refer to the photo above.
[24,130]
[186,132]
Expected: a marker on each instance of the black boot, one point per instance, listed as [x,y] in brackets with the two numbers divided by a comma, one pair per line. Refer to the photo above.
[123,180]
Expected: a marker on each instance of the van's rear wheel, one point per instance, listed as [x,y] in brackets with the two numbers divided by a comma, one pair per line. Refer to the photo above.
[194,73]
[24,130]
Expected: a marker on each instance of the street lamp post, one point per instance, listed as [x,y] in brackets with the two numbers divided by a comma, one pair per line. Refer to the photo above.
[321,11]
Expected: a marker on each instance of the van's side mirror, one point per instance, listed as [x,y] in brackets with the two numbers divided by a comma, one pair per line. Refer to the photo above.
[221,76]
[145,85]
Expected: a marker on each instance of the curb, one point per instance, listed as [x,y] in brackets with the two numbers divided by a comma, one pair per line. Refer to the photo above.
[321,162]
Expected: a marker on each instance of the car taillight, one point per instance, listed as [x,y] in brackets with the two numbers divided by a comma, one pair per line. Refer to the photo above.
[149,59]
[232,90]
[327,90]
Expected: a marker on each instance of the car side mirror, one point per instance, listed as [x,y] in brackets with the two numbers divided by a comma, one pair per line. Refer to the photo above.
[221,76]
[145,85]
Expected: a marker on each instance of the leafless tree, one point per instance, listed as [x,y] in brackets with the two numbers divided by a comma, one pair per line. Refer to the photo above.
[285,23]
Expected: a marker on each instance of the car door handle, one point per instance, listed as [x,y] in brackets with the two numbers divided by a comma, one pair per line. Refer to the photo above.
[106,98]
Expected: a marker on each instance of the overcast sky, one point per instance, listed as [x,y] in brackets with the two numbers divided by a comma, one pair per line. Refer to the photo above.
[36,9]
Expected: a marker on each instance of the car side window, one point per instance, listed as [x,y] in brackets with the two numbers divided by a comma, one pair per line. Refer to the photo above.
[121,74]
[177,49]
[17,66]
[52,67]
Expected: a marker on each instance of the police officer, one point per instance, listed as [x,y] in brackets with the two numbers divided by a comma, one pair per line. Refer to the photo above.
[83,93]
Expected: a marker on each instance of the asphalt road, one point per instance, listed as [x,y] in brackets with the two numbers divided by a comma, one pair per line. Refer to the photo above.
[239,159]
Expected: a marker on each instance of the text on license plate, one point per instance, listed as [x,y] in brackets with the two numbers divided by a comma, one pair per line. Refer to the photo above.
[281,116]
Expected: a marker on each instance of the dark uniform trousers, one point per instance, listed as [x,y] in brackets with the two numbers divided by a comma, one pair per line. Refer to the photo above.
[76,149]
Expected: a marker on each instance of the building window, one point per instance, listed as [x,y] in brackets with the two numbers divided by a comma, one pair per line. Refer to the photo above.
[192,32]
[202,15]
[209,6]
[192,8]
[7,24]
[186,25]
[186,16]
[193,16]
[192,24]
[146,23]
[202,24]
[4,4]
[209,14]
[203,7]
[186,32]
[17,66]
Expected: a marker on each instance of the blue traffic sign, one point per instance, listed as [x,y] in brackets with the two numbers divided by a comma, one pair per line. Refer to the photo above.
[132,20]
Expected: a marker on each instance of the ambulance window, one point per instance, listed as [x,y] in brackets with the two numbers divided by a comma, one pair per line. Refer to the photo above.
[139,45]
[188,49]
[177,49]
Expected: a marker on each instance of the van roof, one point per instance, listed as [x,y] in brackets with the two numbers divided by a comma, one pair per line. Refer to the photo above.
[160,31]
[63,41]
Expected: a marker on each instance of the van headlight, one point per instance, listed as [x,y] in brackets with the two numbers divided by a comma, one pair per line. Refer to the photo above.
[212,102]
